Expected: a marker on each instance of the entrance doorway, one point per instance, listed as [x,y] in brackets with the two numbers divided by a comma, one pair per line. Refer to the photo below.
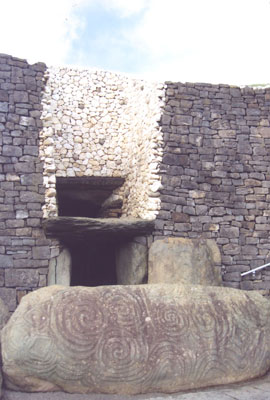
[93,265]
[93,261]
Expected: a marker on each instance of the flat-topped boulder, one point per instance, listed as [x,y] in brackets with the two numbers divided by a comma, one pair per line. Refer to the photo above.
[135,339]
[185,261]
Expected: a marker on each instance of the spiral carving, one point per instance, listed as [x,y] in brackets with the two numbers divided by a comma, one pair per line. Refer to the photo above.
[172,320]
[121,357]
[77,320]
[125,308]
[38,316]
[137,339]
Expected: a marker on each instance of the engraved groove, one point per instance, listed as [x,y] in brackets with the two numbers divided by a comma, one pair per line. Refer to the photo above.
[140,340]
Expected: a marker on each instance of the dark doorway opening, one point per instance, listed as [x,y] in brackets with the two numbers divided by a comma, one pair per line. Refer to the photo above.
[85,197]
[93,261]
[93,265]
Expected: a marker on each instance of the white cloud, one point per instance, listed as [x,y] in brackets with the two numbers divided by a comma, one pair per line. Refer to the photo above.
[209,40]
[185,40]
[38,30]
[126,8]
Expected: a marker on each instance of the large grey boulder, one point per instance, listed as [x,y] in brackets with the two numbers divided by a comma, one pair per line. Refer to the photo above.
[4,316]
[135,339]
[185,261]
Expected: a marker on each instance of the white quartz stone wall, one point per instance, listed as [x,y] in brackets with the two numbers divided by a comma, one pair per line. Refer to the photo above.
[98,123]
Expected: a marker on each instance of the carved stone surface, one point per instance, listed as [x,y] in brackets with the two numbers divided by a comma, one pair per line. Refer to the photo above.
[135,339]
[185,261]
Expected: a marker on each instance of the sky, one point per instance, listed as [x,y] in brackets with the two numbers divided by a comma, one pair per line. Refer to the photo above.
[210,41]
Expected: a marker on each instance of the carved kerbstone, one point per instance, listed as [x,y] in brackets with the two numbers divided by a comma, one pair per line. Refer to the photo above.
[135,339]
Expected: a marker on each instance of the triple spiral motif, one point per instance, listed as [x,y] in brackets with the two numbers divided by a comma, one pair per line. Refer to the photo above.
[97,338]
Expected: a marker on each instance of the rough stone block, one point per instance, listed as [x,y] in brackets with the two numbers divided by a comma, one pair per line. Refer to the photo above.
[31,179]
[135,339]
[180,217]
[3,106]
[229,232]
[31,150]
[182,227]
[28,196]
[27,121]
[6,261]
[20,96]
[171,159]
[21,277]
[41,252]
[186,261]
[8,296]
[232,276]
[182,120]
[25,167]
[3,95]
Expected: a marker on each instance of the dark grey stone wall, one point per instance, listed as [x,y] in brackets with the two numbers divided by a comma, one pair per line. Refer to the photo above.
[216,174]
[24,250]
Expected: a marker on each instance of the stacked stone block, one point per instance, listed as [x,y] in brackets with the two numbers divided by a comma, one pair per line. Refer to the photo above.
[24,250]
[216,174]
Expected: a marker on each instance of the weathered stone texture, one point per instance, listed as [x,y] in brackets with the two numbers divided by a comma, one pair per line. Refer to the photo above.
[70,229]
[21,183]
[132,263]
[60,269]
[135,339]
[103,124]
[185,261]
[204,167]
[220,142]
[4,316]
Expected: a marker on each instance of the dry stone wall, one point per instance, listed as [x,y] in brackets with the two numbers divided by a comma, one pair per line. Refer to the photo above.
[24,249]
[196,156]
[216,174]
[98,123]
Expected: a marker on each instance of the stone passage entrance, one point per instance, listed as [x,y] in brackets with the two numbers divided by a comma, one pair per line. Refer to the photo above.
[93,264]
[93,261]
[93,242]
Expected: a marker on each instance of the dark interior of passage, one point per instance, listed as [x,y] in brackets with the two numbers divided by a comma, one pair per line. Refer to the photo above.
[93,263]
[83,197]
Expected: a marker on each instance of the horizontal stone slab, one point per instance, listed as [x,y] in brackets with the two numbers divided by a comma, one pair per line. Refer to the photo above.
[135,339]
[94,182]
[82,228]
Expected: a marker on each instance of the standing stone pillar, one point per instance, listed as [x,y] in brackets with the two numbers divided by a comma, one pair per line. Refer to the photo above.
[132,262]
[60,269]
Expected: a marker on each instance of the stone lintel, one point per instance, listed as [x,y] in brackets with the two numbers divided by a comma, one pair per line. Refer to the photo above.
[91,182]
[70,229]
